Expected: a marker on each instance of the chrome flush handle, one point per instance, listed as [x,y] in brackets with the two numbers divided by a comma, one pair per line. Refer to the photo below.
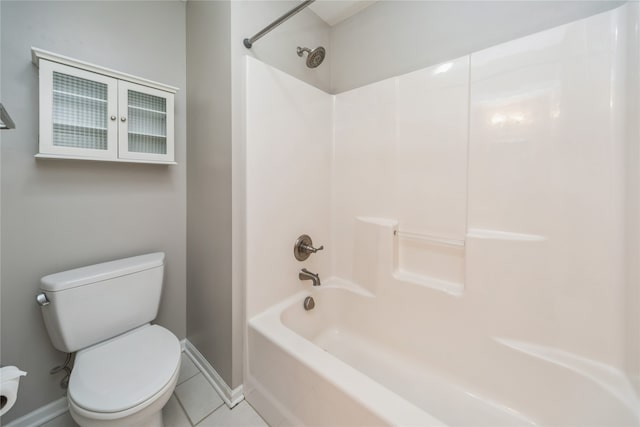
[42,299]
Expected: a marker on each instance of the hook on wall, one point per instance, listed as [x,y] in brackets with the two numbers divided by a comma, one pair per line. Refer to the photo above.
[5,119]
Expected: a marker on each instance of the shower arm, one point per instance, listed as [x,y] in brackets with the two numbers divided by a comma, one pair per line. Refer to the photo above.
[248,43]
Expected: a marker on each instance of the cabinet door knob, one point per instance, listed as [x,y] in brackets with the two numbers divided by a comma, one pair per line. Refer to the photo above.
[123,119]
[113,118]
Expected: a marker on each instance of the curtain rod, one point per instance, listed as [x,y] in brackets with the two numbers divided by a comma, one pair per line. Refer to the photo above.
[249,42]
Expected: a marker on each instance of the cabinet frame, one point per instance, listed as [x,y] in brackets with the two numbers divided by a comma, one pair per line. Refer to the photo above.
[117,146]
[123,128]
[46,114]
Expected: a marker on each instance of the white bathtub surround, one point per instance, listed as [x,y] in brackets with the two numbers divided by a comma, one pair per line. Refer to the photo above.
[614,381]
[632,214]
[288,157]
[504,293]
[400,152]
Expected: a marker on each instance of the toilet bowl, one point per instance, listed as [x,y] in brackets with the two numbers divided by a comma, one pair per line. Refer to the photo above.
[125,368]
[125,381]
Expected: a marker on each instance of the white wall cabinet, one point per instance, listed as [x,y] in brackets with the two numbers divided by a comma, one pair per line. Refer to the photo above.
[93,113]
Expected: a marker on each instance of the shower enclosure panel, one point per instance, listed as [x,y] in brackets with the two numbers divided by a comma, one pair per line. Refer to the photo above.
[400,154]
[431,173]
[547,173]
[545,127]
[288,157]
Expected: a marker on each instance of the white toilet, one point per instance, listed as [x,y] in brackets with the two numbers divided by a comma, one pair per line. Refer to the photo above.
[125,368]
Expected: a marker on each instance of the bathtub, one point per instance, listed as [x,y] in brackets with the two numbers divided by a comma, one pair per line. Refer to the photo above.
[348,362]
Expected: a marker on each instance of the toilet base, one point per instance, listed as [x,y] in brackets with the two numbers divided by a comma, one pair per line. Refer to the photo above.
[154,420]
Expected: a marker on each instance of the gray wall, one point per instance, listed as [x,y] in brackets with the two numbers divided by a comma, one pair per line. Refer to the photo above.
[209,291]
[60,214]
[391,38]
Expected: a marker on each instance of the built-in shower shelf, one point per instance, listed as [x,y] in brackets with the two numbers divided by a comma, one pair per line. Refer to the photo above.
[487,234]
[429,238]
[451,288]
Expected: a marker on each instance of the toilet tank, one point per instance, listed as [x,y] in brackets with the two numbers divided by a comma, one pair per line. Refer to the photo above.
[91,304]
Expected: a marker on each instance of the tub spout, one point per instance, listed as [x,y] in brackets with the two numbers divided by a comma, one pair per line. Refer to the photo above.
[307,275]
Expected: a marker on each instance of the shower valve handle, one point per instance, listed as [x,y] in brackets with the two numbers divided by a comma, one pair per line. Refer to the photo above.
[303,247]
[311,249]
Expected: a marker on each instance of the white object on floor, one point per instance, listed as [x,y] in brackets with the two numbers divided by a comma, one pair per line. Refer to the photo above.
[196,395]
[126,369]
[9,382]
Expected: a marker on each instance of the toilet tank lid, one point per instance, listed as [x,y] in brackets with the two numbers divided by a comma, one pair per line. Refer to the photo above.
[99,272]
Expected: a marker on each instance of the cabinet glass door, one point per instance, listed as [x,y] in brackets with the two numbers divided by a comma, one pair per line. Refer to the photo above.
[81,120]
[146,123]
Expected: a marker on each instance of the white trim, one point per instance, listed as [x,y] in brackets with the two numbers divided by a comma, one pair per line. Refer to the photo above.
[230,397]
[38,54]
[116,160]
[183,345]
[42,415]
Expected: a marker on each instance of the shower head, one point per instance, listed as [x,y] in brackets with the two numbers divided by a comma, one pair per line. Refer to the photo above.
[314,57]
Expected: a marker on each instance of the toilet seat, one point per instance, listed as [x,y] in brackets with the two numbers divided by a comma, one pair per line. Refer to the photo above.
[125,374]
[147,414]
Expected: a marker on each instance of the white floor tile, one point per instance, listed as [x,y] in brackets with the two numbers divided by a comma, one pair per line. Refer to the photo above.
[173,415]
[63,420]
[198,398]
[187,369]
[243,415]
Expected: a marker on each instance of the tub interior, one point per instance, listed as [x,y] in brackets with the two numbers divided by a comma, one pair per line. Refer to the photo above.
[504,384]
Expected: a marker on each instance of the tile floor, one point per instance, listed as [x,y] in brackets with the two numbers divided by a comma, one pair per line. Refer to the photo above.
[194,403]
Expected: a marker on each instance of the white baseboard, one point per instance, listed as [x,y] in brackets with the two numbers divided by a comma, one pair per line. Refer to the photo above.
[230,397]
[42,415]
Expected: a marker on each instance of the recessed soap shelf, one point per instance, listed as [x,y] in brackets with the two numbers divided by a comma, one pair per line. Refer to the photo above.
[429,238]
